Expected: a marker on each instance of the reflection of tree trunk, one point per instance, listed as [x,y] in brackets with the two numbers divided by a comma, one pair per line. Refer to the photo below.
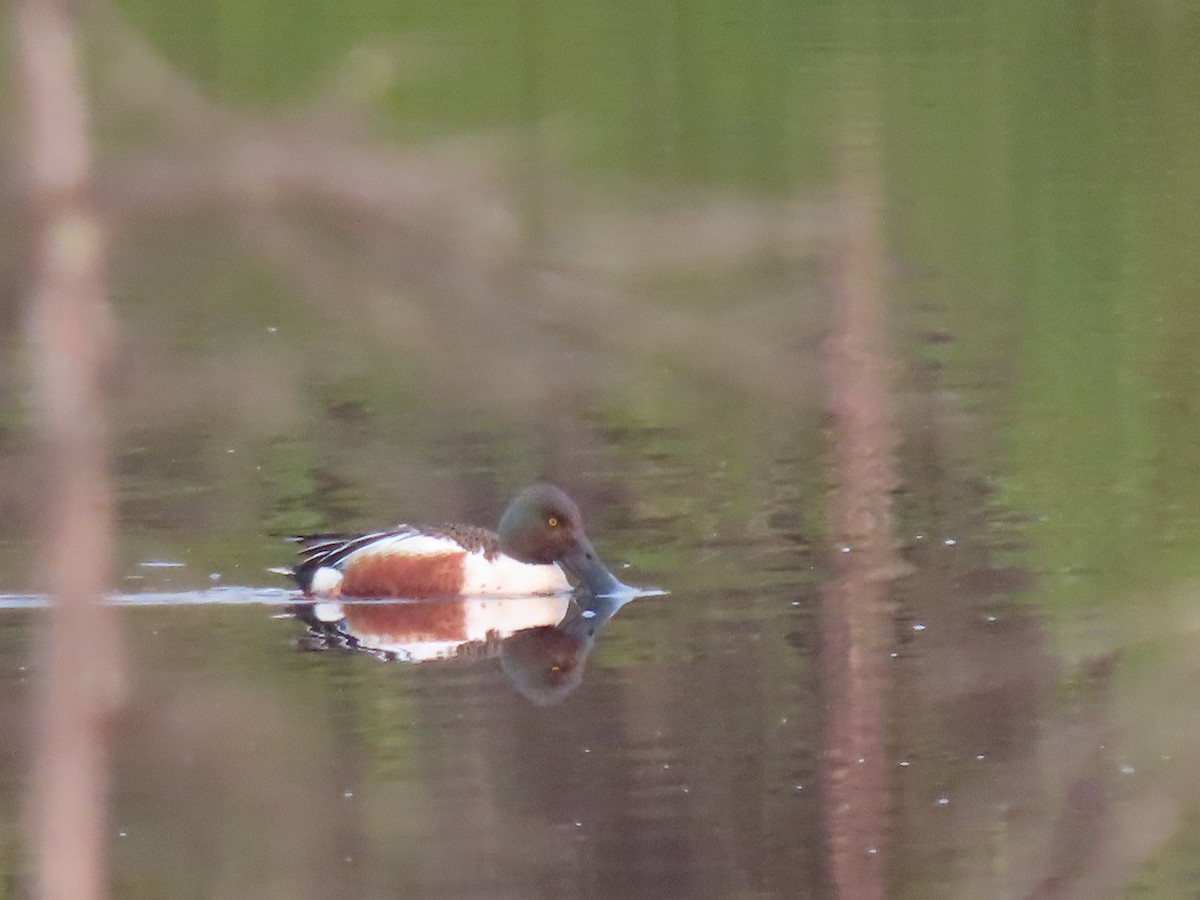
[855,625]
[348,829]
[81,681]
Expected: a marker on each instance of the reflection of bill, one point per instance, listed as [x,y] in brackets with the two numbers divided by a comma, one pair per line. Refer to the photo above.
[542,642]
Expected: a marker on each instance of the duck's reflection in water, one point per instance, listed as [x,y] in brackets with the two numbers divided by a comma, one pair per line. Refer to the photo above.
[542,642]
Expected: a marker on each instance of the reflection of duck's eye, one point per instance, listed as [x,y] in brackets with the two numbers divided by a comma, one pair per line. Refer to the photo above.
[552,522]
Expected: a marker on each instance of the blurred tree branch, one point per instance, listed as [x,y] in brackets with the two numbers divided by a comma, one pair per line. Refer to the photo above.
[431,248]
[81,680]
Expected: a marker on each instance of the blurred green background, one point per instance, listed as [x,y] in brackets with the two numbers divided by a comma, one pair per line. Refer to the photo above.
[377,261]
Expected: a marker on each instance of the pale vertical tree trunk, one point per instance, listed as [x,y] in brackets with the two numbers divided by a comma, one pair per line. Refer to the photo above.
[81,679]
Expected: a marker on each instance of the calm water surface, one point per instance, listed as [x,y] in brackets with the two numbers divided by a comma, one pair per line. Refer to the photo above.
[396,264]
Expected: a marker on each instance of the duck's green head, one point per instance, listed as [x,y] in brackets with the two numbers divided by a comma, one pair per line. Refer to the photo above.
[542,525]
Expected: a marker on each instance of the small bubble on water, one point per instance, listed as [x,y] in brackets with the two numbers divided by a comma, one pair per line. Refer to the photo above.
[949,542]
[589,614]
[214,576]
[1127,769]
[918,626]
[894,655]
[904,764]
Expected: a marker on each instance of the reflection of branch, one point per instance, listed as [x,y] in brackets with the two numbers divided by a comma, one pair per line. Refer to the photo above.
[71,331]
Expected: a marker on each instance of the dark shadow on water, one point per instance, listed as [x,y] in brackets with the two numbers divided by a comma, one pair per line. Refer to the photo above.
[542,643]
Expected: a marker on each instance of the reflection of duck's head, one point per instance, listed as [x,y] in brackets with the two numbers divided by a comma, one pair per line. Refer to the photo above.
[543,525]
[544,663]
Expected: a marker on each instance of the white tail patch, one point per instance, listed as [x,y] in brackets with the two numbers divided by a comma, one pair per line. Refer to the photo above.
[326,582]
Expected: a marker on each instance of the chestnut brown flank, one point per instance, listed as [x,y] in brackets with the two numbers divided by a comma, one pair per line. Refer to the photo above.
[434,620]
[396,575]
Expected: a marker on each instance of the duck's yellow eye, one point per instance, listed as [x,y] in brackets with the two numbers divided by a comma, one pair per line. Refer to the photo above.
[552,522]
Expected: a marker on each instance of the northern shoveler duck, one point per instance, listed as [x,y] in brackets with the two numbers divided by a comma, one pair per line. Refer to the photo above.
[540,541]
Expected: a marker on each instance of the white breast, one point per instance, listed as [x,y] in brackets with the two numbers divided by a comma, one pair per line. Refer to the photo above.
[504,575]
